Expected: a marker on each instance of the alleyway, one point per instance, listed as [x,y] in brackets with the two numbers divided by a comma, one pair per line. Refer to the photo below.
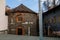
[16,37]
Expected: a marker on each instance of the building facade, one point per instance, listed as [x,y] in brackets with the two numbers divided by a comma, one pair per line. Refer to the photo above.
[3,18]
[51,22]
[22,21]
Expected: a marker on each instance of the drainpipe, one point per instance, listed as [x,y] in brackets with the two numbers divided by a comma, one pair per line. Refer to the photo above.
[40,20]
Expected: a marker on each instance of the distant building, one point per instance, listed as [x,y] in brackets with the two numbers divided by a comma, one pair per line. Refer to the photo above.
[22,21]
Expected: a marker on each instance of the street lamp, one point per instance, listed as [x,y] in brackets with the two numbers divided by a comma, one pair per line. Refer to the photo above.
[40,20]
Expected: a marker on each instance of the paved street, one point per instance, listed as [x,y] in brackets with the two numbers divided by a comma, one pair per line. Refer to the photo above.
[16,37]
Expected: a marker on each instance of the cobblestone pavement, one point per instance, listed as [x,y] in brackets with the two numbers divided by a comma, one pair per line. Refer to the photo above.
[16,37]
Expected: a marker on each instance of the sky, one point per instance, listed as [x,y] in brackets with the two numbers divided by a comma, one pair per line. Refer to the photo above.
[32,4]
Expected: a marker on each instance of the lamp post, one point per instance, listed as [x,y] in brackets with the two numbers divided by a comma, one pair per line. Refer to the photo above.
[40,20]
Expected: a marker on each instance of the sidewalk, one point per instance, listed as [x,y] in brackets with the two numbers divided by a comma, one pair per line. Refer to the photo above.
[16,37]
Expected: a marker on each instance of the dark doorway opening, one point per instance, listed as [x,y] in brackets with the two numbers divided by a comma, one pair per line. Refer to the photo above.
[19,31]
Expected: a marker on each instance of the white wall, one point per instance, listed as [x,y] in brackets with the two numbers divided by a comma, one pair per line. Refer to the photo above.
[3,18]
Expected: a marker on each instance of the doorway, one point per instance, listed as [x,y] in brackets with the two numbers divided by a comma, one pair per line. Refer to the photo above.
[19,31]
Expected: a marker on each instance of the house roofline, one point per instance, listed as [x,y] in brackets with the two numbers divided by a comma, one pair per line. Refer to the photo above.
[51,10]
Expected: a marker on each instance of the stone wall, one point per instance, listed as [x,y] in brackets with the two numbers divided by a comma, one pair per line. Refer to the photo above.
[27,17]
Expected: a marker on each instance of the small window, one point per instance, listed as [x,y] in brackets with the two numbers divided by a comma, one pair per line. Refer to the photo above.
[19,18]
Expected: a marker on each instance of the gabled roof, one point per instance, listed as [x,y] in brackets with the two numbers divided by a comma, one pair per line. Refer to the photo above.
[23,8]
